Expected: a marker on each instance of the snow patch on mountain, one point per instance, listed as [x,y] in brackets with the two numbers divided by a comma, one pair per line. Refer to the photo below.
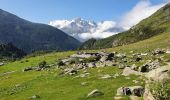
[84,30]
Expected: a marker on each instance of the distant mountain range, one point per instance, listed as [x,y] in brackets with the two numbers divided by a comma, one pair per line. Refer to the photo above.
[156,24]
[83,29]
[30,36]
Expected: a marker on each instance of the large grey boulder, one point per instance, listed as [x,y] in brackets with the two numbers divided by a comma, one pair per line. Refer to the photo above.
[149,66]
[159,74]
[134,90]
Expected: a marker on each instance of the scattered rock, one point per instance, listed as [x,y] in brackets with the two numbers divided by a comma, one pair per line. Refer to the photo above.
[70,71]
[121,66]
[84,83]
[107,76]
[134,67]
[158,51]
[95,93]
[91,65]
[149,66]
[159,74]
[128,71]
[1,63]
[35,97]
[135,91]
[28,69]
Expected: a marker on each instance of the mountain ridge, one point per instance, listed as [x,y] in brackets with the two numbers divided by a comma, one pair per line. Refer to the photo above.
[147,28]
[31,36]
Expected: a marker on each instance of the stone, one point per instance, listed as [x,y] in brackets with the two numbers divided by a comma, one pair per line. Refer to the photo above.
[128,71]
[95,93]
[158,51]
[70,71]
[91,65]
[159,74]
[84,75]
[134,91]
[121,55]
[121,66]
[28,69]
[1,63]
[84,83]
[103,58]
[134,67]
[107,76]
[110,63]
[149,66]
[147,94]
[168,51]
[35,97]
[137,90]
[135,81]
[134,98]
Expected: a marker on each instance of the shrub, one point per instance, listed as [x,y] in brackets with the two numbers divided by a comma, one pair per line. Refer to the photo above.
[161,90]
[60,63]
[43,64]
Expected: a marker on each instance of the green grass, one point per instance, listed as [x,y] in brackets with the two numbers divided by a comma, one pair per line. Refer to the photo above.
[50,86]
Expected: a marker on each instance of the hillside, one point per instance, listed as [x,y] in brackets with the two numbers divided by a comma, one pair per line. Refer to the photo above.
[156,24]
[30,36]
[9,51]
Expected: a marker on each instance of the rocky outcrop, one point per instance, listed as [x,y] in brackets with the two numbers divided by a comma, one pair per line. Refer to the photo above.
[159,74]
[134,90]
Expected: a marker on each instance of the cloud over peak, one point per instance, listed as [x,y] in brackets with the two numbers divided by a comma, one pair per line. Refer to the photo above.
[83,30]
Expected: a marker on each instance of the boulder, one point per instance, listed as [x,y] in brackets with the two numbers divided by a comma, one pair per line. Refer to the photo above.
[149,66]
[120,55]
[95,93]
[103,58]
[134,67]
[107,76]
[110,63]
[159,74]
[158,51]
[148,95]
[1,63]
[128,71]
[134,90]
[91,65]
[137,90]
[121,66]
[100,64]
[70,71]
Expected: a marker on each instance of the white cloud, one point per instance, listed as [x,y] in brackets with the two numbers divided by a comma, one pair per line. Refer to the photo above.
[141,11]
[84,30]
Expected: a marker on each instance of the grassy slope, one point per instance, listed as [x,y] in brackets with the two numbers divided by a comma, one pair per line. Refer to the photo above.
[156,24]
[50,86]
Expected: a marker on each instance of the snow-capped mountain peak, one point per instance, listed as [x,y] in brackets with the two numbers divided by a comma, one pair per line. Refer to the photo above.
[83,30]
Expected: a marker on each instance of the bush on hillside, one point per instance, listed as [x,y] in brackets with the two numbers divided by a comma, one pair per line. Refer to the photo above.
[161,90]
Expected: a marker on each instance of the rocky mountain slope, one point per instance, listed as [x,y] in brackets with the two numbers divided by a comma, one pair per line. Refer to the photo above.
[157,24]
[33,36]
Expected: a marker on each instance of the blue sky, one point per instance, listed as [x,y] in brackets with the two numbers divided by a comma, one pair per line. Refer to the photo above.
[43,11]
